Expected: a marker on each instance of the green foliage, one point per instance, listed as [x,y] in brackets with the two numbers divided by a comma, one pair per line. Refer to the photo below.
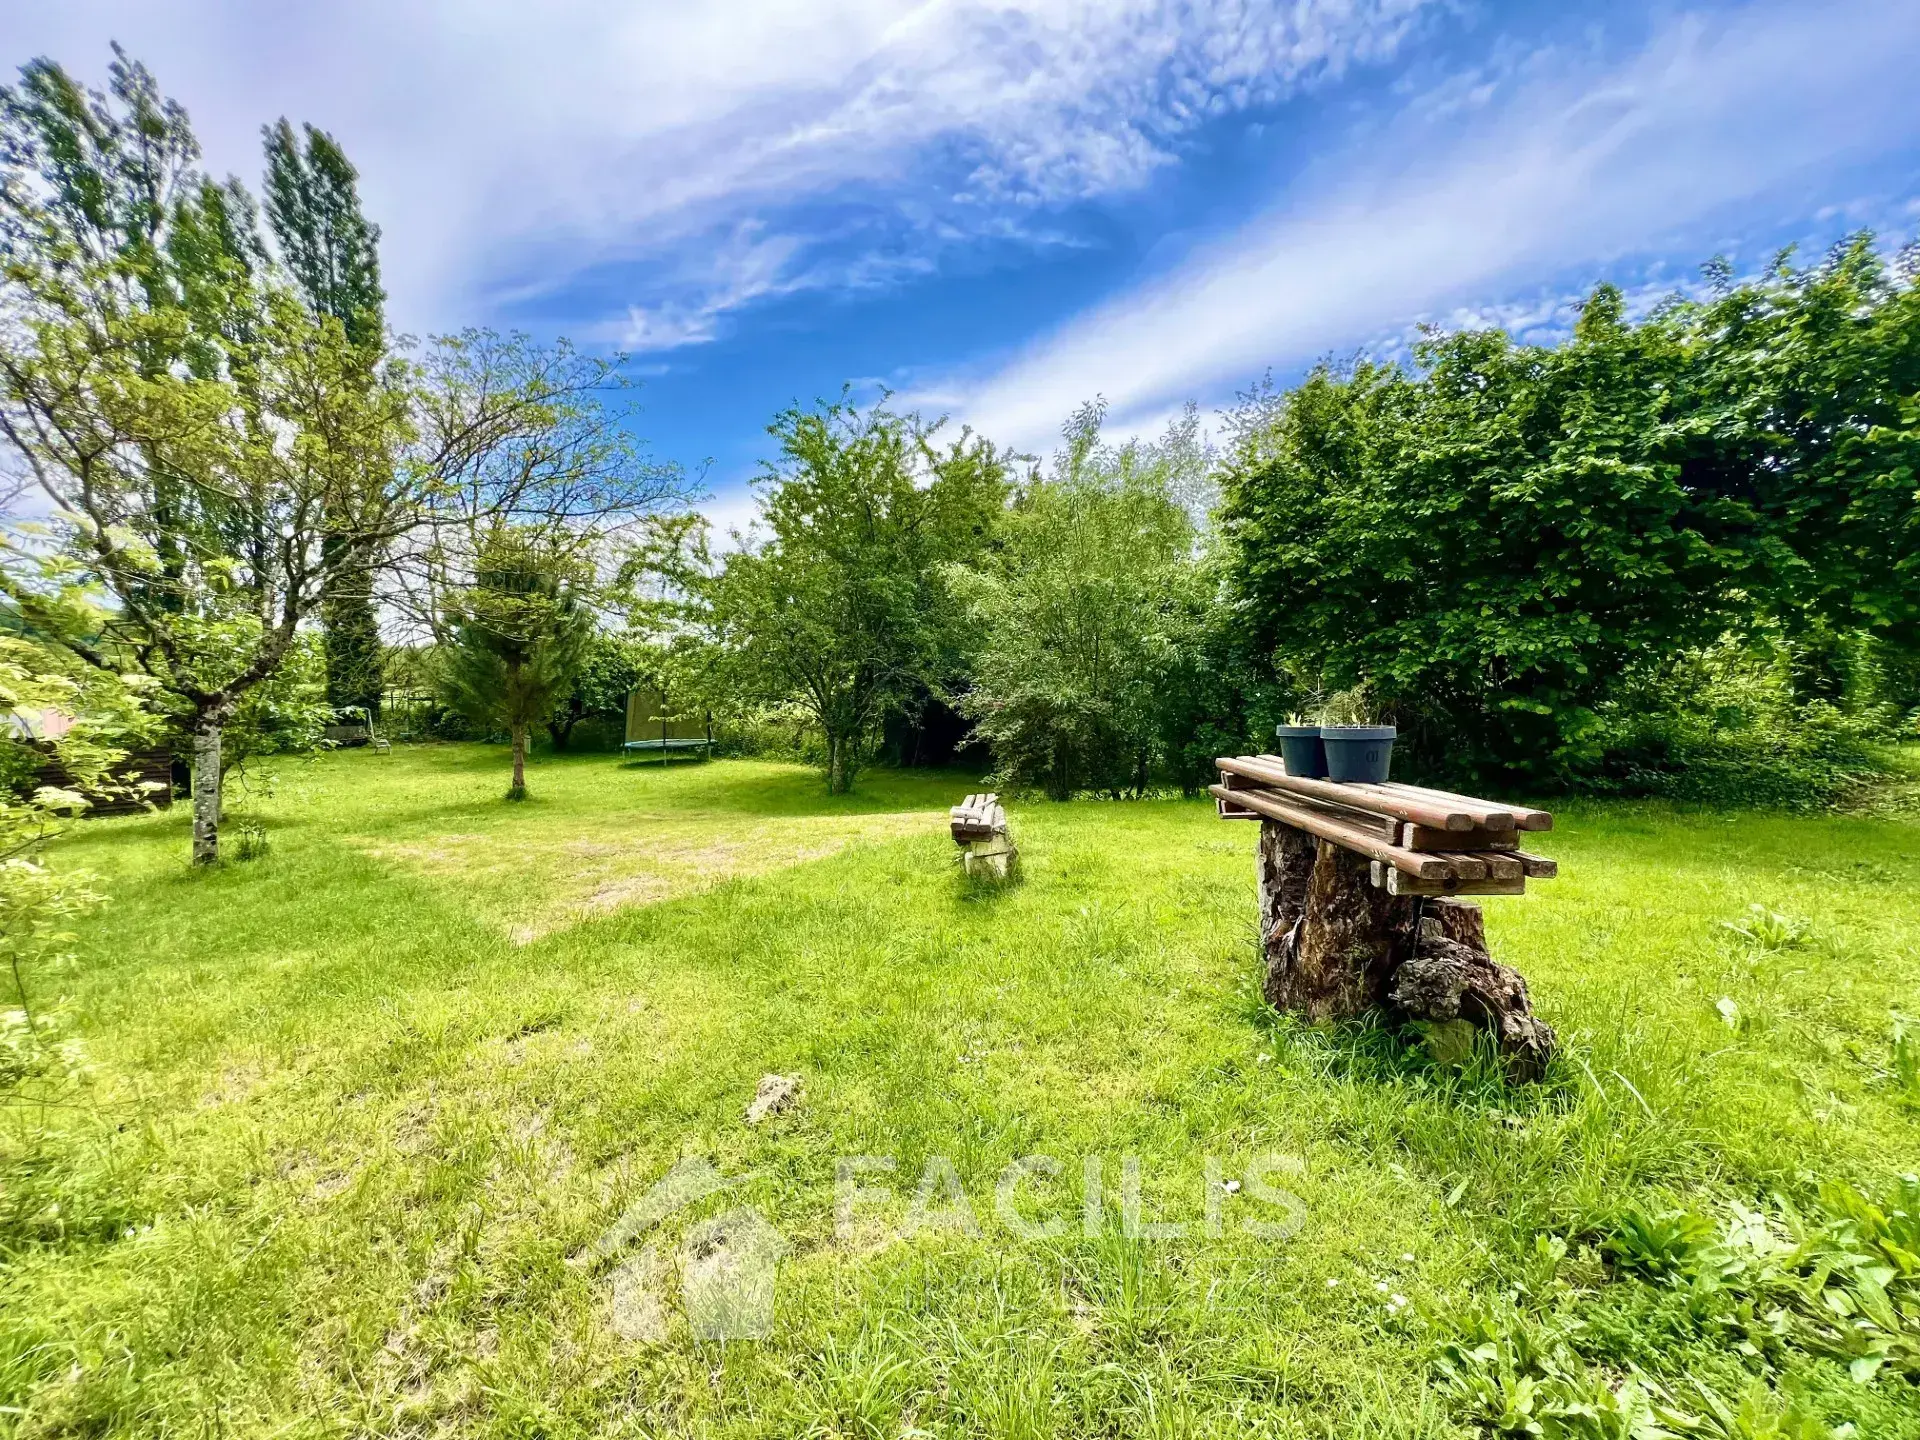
[1905,1056]
[1842,1281]
[44,688]
[214,452]
[286,714]
[1734,724]
[1098,662]
[250,841]
[1767,930]
[1512,1377]
[610,668]
[326,241]
[519,635]
[1510,545]
[1658,1245]
[843,605]
[332,253]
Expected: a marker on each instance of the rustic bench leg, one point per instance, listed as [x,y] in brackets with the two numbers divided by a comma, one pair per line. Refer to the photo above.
[1331,950]
[1452,978]
[1337,946]
[992,859]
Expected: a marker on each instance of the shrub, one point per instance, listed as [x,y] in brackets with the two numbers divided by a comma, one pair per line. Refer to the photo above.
[1509,541]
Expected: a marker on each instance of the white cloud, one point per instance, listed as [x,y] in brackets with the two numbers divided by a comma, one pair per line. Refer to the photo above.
[503,144]
[1567,167]
[747,266]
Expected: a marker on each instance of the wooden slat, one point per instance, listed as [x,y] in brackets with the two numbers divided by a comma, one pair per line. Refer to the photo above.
[1385,826]
[1538,867]
[1275,807]
[1394,882]
[1467,867]
[1402,884]
[1491,864]
[1496,817]
[1270,771]
[1423,837]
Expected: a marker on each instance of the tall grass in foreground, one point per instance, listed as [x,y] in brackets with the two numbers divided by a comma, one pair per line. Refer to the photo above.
[332,1165]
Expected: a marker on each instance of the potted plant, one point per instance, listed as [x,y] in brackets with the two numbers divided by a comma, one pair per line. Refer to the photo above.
[1358,751]
[1301,748]
[1299,738]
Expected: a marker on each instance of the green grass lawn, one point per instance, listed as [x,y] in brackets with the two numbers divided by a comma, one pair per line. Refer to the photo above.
[360,1109]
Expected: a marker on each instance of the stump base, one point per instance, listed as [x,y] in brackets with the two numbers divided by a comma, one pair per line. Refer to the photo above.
[1337,946]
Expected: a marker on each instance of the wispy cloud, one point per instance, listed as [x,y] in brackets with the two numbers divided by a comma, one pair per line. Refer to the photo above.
[1560,165]
[505,149]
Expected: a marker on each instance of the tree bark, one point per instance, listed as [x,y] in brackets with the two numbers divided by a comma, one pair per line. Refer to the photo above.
[518,790]
[206,792]
[1334,957]
[1451,977]
[1284,863]
[1337,947]
[836,765]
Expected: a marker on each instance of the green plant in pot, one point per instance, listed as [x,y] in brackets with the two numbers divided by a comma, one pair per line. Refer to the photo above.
[1358,751]
[1299,738]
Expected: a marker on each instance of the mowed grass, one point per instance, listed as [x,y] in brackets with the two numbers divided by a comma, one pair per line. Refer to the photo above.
[356,1106]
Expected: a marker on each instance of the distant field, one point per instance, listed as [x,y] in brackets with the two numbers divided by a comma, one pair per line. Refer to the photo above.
[357,1104]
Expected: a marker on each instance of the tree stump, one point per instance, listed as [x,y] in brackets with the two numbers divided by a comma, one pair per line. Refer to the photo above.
[1337,947]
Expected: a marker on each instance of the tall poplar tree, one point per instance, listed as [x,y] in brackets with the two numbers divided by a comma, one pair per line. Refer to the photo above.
[332,251]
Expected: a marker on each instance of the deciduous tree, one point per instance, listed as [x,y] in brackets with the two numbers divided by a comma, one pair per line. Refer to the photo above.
[519,635]
[1081,615]
[843,604]
[331,251]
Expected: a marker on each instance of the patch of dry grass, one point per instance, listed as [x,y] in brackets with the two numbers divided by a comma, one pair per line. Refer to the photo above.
[553,871]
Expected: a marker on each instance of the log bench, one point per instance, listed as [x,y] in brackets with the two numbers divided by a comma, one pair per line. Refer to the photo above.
[979,827]
[1364,900]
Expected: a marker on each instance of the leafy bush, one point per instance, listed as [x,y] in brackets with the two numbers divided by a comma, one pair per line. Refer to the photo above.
[1086,674]
[839,603]
[37,901]
[1513,542]
[1724,725]
[1839,1281]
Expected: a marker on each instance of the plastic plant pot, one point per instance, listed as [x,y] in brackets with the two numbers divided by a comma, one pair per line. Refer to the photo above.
[1300,747]
[1358,754]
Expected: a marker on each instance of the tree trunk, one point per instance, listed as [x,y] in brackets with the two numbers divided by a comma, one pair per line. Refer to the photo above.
[1285,860]
[206,792]
[518,790]
[836,764]
[1451,978]
[1336,947]
[1333,940]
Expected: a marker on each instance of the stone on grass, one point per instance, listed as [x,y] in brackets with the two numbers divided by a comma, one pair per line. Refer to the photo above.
[776,1094]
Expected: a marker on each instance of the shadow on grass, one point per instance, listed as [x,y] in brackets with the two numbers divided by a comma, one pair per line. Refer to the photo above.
[1381,1050]
[983,888]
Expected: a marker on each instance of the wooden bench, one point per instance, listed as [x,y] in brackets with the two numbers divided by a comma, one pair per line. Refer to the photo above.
[1362,899]
[666,745]
[979,827]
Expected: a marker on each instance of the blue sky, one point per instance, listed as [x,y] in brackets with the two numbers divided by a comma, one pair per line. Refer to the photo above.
[999,210]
